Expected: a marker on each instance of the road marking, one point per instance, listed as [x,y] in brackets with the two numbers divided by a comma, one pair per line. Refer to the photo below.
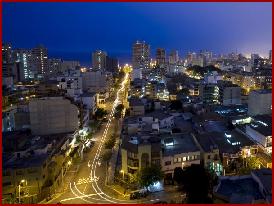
[97,155]
[73,198]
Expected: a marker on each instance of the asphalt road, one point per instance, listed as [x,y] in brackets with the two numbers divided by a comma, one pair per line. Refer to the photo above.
[87,184]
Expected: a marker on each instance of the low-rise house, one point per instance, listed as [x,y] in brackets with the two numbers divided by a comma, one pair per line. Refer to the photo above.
[139,151]
[178,150]
[34,165]
[260,131]
[255,188]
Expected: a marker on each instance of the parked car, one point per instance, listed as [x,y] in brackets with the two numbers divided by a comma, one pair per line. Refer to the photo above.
[138,194]
[160,202]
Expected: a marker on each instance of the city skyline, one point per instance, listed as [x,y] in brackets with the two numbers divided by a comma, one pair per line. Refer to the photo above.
[78,40]
[137,103]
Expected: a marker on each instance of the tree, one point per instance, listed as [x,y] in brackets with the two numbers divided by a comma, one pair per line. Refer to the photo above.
[100,113]
[149,175]
[118,111]
[251,163]
[176,105]
[109,144]
[107,155]
[196,184]
[184,92]
[178,175]
[89,135]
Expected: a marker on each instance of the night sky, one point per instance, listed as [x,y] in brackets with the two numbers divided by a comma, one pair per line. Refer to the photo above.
[73,30]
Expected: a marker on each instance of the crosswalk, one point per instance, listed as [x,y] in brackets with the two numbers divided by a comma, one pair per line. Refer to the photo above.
[87,180]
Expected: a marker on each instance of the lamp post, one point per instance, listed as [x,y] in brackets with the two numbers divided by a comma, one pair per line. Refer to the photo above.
[22,181]
[183,165]
[122,171]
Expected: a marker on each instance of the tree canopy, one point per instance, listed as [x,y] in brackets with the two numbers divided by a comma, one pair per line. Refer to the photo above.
[202,71]
[100,113]
[149,175]
[107,155]
[196,182]
[118,111]
[176,105]
[178,175]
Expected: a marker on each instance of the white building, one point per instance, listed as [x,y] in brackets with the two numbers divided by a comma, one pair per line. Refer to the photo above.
[260,131]
[178,151]
[89,100]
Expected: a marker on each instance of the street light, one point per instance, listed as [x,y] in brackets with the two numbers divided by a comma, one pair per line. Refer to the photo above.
[22,181]
[122,171]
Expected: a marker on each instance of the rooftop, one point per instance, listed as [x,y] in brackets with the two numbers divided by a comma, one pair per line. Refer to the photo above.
[26,162]
[263,91]
[135,102]
[160,115]
[207,143]
[176,144]
[227,141]
[262,124]
[265,177]
[33,150]
[88,94]
[132,142]
[239,189]
[207,117]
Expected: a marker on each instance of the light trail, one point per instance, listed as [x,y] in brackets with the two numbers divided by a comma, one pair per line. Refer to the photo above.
[94,184]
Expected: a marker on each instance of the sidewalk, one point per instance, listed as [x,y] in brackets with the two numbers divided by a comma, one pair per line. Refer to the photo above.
[115,151]
[119,189]
[67,179]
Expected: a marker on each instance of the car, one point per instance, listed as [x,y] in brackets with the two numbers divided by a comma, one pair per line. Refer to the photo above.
[160,202]
[138,194]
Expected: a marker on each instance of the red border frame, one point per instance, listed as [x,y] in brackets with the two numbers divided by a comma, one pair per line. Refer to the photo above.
[21,1]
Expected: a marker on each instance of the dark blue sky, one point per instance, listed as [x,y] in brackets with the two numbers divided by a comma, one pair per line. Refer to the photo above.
[74,30]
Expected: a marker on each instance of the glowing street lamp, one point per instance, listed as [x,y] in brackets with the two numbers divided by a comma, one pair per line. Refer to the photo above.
[21,182]
[122,171]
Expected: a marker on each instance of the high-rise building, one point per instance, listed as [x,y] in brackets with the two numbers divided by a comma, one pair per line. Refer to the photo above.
[7,63]
[173,57]
[270,56]
[260,102]
[199,61]
[160,57]
[209,93]
[111,64]
[99,60]
[254,57]
[55,66]
[190,57]
[39,61]
[23,67]
[140,55]
[52,115]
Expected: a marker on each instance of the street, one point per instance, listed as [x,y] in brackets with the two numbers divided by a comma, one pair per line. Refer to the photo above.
[88,184]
